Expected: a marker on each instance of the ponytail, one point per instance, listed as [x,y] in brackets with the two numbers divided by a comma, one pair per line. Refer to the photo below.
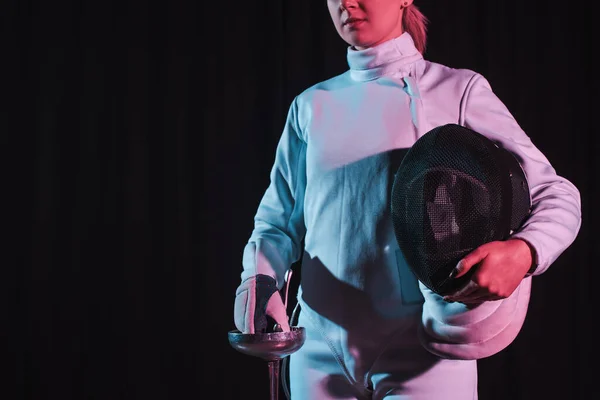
[415,23]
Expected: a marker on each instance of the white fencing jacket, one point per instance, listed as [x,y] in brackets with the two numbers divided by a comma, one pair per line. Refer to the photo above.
[330,185]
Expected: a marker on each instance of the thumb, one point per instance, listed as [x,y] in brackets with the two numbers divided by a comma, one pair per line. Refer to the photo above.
[468,261]
[276,310]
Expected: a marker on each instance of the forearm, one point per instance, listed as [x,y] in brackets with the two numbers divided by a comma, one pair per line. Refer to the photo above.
[553,225]
[276,238]
[555,217]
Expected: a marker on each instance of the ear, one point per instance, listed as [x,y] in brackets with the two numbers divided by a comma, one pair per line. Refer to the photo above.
[406,3]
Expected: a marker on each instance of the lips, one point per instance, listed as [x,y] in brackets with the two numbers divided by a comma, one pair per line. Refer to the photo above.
[353,21]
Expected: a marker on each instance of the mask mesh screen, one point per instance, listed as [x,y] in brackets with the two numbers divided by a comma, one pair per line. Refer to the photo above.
[452,193]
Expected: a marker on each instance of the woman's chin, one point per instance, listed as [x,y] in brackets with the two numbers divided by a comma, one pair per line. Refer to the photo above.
[358,43]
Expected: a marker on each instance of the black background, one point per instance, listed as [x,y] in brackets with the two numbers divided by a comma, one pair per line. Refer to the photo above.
[138,139]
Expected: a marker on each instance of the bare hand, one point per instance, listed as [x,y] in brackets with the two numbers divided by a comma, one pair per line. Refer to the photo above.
[501,265]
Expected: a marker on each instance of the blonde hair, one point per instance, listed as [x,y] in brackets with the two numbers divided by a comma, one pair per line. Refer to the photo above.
[415,23]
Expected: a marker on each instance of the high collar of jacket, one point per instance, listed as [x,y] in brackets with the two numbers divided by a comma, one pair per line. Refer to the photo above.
[386,58]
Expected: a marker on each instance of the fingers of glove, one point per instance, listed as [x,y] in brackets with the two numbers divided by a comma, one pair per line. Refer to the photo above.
[266,287]
[276,310]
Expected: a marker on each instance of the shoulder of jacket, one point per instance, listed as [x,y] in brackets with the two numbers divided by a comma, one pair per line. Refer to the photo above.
[438,71]
[326,85]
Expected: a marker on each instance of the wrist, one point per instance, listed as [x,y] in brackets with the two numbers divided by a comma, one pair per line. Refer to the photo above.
[530,253]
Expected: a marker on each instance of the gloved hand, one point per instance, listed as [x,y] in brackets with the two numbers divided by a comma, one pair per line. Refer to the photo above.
[258,305]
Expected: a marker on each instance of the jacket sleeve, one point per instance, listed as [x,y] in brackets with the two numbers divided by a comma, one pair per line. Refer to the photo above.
[555,216]
[275,242]
[456,331]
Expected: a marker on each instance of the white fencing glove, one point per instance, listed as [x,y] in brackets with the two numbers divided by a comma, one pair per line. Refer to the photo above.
[258,306]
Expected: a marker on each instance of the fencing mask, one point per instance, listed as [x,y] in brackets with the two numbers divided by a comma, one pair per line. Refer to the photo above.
[454,191]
